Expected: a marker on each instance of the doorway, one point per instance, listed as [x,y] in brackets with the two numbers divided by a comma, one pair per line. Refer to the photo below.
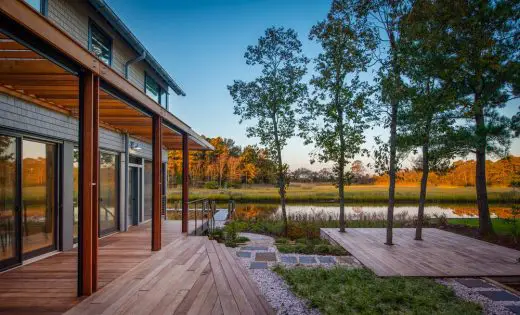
[134,195]
[28,194]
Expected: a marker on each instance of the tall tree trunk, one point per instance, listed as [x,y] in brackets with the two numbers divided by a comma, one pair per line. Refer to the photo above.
[392,171]
[484,219]
[341,171]
[422,194]
[281,176]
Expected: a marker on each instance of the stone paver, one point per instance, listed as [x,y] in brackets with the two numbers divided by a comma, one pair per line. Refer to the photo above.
[289,259]
[307,260]
[474,283]
[244,254]
[514,308]
[326,259]
[499,296]
[258,265]
[270,256]
[255,248]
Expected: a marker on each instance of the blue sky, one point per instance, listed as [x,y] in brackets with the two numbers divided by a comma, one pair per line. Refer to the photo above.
[201,43]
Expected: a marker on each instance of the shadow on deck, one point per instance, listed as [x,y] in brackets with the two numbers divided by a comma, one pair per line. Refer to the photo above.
[188,273]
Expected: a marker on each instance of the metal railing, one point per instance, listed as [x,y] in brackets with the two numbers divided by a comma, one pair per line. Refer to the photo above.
[200,211]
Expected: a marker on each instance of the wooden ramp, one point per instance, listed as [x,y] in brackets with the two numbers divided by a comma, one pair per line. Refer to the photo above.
[440,254]
[192,275]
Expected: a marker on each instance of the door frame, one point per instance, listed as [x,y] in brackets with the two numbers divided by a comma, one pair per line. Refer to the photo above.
[20,257]
[118,191]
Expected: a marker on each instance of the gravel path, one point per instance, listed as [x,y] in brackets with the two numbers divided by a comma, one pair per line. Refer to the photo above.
[489,306]
[272,286]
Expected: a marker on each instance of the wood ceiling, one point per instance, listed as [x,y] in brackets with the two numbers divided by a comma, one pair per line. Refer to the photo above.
[27,75]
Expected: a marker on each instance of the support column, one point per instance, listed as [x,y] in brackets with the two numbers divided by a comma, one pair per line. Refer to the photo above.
[95,183]
[88,163]
[185,178]
[156,181]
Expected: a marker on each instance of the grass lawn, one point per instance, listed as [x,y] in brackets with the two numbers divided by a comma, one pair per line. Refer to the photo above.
[501,226]
[309,247]
[359,291]
[357,193]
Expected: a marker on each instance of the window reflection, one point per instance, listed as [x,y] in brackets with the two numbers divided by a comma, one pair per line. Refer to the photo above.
[7,197]
[38,187]
[108,194]
[148,187]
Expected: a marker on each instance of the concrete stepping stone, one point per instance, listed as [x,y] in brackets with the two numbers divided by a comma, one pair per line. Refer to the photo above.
[268,256]
[307,260]
[499,295]
[474,283]
[258,265]
[244,254]
[326,260]
[514,308]
[289,259]
[264,248]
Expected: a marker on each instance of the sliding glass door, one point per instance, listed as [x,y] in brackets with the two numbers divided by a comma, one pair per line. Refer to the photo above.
[39,197]
[9,170]
[28,186]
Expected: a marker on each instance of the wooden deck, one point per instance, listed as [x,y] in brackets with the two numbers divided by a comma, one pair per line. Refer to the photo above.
[440,254]
[48,286]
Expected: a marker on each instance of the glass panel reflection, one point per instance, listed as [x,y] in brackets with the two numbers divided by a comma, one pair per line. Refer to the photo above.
[108,195]
[7,197]
[148,187]
[38,188]
[75,178]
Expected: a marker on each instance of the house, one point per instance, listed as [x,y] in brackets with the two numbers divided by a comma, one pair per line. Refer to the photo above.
[85,125]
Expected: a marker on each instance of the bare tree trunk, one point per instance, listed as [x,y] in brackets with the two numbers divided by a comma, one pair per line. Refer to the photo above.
[392,173]
[422,194]
[341,176]
[484,219]
[281,176]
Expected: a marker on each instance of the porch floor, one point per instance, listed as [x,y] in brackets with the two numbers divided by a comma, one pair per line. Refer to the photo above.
[440,254]
[49,286]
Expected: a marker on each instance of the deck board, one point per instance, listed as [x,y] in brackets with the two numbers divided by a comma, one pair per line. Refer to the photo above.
[133,280]
[440,254]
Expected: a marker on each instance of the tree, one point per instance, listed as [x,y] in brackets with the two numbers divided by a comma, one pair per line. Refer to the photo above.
[385,16]
[483,38]
[270,97]
[428,116]
[334,118]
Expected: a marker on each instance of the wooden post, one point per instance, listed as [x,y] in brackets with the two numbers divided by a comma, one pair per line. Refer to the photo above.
[95,183]
[86,159]
[156,190]
[185,177]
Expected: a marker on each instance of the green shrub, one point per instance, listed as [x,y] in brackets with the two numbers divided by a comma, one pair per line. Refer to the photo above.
[242,239]
[211,185]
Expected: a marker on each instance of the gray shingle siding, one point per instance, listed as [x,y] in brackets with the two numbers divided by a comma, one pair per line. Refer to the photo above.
[73,18]
[20,115]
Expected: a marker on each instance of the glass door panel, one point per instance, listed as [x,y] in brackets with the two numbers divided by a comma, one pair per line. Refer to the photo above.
[38,195]
[108,193]
[8,201]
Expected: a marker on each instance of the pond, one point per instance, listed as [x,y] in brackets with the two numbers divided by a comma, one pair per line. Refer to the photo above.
[331,210]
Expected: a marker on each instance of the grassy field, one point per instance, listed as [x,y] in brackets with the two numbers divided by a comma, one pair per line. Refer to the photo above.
[359,291]
[501,226]
[359,193]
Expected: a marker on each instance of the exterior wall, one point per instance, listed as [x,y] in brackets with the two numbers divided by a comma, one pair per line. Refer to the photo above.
[73,18]
[20,115]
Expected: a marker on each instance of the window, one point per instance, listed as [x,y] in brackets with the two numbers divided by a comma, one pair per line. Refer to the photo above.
[40,5]
[100,44]
[155,91]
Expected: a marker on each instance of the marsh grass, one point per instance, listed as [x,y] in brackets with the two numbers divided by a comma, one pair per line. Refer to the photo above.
[357,193]
[358,291]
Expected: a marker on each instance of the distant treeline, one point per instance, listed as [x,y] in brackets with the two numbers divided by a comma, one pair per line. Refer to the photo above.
[231,165]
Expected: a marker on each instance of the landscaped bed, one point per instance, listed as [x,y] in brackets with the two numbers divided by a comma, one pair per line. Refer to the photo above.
[359,291]
[309,247]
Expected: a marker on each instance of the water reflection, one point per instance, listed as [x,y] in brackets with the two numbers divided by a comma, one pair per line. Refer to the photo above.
[262,210]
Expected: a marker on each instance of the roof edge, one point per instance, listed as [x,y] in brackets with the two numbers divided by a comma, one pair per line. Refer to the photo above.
[112,18]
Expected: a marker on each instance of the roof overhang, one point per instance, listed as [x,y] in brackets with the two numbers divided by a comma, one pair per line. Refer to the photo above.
[18,19]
